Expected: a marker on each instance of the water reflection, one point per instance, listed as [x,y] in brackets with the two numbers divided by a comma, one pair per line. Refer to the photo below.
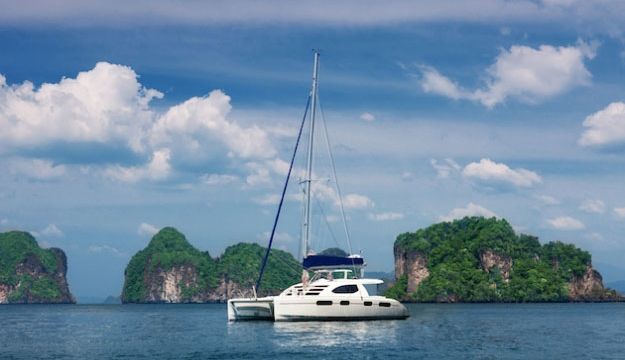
[334,334]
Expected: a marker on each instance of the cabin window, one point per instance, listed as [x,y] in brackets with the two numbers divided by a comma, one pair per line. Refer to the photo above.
[344,302]
[368,303]
[385,304]
[312,293]
[346,289]
[324,302]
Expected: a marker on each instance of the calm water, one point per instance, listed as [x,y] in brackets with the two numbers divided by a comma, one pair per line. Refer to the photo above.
[481,331]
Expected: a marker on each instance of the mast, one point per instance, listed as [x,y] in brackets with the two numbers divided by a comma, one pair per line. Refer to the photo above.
[308,180]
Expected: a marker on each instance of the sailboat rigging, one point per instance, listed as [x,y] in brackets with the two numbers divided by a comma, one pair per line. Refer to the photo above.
[335,291]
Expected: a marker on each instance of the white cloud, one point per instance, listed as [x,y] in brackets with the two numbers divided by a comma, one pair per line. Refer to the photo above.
[36,169]
[592,206]
[434,82]
[218,179]
[51,231]
[107,105]
[4,222]
[407,176]
[490,171]
[547,200]
[470,210]
[368,117]
[605,127]
[158,168]
[270,199]
[104,104]
[357,201]
[279,237]
[620,212]
[523,73]
[107,249]
[443,170]
[199,123]
[565,223]
[386,216]
[146,229]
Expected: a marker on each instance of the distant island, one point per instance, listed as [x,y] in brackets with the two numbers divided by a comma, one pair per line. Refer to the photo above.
[170,270]
[483,260]
[30,274]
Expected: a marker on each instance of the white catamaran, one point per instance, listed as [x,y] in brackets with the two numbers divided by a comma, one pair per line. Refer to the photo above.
[334,291]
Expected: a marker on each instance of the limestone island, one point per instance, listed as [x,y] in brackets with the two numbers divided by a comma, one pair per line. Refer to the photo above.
[170,270]
[30,274]
[483,260]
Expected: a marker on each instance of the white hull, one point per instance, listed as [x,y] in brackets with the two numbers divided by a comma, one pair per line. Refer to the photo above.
[321,300]
[349,308]
[250,309]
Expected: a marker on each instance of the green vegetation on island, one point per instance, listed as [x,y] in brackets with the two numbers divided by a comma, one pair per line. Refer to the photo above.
[30,274]
[482,260]
[199,277]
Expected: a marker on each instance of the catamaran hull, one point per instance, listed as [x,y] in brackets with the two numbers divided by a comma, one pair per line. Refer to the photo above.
[333,309]
[250,309]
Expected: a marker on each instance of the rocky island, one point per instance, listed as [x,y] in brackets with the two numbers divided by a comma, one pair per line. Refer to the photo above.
[171,270]
[483,260]
[30,274]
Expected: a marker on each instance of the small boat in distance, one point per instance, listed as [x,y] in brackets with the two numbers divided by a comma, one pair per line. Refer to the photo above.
[335,290]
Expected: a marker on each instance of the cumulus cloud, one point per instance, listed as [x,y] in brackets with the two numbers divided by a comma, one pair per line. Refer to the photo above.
[107,249]
[158,168]
[104,104]
[620,212]
[524,73]
[446,168]
[489,171]
[270,199]
[218,179]
[605,127]
[107,105]
[146,229]
[51,231]
[565,223]
[592,206]
[38,169]
[368,117]
[279,237]
[547,200]
[357,201]
[200,122]
[386,216]
[470,210]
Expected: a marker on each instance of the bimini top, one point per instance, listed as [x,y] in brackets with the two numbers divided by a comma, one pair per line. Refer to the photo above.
[318,262]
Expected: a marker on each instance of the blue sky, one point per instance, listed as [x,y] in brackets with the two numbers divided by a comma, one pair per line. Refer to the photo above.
[117,119]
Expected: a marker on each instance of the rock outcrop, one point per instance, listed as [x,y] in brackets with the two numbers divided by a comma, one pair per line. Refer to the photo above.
[413,265]
[589,287]
[492,261]
[170,270]
[483,260]
[30,274]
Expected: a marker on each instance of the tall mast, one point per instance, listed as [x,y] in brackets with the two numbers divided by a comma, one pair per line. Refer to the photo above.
[308,180]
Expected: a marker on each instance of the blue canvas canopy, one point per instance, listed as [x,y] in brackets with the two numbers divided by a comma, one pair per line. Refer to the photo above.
[312,262]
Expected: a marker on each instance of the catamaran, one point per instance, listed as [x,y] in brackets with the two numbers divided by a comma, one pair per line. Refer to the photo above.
[335,291]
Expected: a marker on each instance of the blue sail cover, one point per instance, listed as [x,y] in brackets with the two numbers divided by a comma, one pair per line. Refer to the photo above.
[331,262]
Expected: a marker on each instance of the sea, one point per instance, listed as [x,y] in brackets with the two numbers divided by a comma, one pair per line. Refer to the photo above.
[433,331]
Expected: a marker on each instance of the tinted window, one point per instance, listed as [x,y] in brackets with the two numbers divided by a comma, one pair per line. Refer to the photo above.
[346,289]
[368,303]
[324,302]
[344,302]
[385,304]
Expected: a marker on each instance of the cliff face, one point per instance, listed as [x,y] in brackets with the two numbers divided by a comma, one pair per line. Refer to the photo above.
[30,274]
[411,264]
[170,270]
[483,260]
